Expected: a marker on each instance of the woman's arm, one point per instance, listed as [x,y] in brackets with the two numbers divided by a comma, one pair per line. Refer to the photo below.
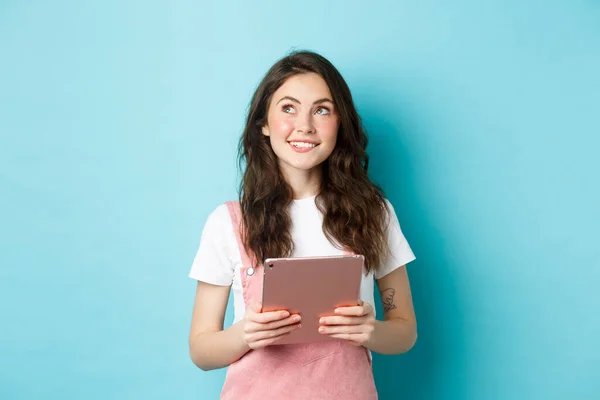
[397,333]
[211,347]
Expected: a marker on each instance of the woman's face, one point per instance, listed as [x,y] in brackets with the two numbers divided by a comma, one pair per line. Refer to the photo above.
[302,123]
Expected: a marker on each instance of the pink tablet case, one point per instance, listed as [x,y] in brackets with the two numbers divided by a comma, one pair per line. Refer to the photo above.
[312,287]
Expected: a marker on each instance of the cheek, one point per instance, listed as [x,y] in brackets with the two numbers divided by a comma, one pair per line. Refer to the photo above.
[281,127]
[329,128]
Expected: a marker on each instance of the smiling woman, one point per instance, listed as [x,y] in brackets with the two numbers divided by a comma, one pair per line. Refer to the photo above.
[305,192]
[306,123]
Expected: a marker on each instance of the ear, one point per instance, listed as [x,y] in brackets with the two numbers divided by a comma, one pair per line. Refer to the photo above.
[265,130]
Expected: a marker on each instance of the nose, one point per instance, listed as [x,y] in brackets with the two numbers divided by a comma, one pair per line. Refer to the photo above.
[304,124]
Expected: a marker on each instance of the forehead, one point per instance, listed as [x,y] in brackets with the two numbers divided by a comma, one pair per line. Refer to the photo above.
[304,87]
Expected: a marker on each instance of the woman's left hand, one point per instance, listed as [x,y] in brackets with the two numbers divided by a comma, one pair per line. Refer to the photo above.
[354,324]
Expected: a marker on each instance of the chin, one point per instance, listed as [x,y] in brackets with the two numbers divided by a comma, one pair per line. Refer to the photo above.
[303,166]
[307,166]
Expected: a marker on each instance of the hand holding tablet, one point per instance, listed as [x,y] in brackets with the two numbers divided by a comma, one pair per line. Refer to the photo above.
[312,287]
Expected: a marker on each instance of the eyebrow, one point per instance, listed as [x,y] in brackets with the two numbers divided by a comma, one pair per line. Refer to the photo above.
[323,100]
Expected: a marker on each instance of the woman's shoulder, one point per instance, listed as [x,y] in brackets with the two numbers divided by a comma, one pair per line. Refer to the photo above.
[219,219]
[391,217]
[220,212]
[389,206]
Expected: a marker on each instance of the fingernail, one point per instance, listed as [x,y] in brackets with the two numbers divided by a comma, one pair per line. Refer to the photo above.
[321,329]
[322,321]
[337,311]
[296,318]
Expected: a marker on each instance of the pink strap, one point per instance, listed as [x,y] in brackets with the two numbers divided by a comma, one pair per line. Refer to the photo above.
[250,272]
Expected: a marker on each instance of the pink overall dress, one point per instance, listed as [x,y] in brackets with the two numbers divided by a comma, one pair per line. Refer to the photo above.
[332,370]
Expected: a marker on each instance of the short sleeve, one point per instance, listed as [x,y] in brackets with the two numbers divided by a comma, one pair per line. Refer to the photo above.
[400,252]
[213,262]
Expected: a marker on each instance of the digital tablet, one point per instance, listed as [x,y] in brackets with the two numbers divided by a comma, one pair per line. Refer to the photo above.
[312,287]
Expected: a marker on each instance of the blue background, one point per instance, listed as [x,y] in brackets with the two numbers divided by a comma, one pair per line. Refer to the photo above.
[118,129]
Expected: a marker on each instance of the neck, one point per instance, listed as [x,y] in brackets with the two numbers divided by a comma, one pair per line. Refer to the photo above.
[303,183]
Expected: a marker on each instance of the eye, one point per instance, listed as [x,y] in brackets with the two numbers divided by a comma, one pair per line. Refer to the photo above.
[322,111]
[288,108]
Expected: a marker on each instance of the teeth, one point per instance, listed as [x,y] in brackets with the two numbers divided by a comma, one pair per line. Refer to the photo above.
[302,144]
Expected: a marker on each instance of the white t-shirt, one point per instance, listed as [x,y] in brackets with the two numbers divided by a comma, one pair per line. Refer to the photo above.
[218,259]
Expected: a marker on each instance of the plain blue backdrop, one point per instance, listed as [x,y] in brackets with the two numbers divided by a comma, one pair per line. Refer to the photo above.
[118,129]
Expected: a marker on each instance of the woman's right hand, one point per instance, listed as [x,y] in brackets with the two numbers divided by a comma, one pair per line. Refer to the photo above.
[261,329]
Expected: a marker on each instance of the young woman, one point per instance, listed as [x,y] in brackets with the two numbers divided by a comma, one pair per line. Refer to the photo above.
[305,192]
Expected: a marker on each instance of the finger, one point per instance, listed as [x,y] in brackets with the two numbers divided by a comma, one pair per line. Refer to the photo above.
[256,307]
[266,342]
[347,329]
[257,327]
[360,310]
[367,307]
[357,311]
[354,339]
[339,320]
[261,335]
[269,316]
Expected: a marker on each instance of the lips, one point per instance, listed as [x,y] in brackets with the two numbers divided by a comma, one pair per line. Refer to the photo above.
[301,146]
[299,143]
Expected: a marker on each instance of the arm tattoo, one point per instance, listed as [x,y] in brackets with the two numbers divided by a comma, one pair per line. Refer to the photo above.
[387,299]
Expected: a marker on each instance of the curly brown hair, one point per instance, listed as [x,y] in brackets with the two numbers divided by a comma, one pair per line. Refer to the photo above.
[355,214]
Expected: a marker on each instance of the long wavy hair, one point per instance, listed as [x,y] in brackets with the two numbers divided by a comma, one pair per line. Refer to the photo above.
[355,214]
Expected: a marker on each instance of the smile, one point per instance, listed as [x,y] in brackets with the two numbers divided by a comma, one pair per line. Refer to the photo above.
[303,144]
[302,147]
